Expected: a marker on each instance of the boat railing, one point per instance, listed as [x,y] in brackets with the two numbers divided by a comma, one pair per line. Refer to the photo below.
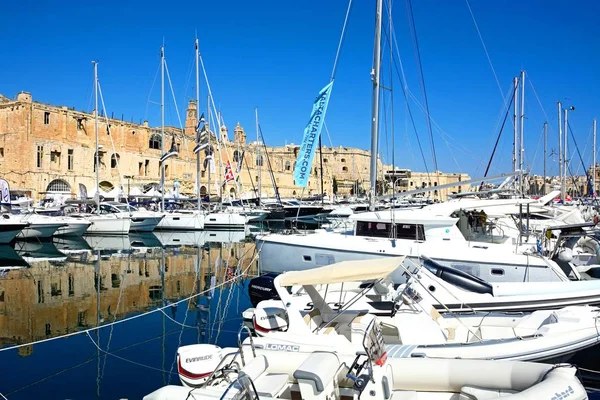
[240,344]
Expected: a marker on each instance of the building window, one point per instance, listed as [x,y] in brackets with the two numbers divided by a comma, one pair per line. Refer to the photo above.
[236,156]
[203,174]
[146,166]
[155,141]
[166,170]
[55,158]
[324,160]
[345,169]
[288,166]
[108,129]
[46,118]
[259,161]
[343,160]
[114,160]
[79,124]
[411,183]
[1,152]
[40,156]
[133,132]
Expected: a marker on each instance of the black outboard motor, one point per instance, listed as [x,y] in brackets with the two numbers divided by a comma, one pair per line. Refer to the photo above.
[262,288]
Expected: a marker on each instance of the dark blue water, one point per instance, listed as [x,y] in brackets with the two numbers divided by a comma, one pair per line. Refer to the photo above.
[56,296]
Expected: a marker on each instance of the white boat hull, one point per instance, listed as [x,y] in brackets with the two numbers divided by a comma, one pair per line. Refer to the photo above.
[144,224]
[183,221]
[224,220]
[108,224]
[39,231]
[281,253]
[73,229]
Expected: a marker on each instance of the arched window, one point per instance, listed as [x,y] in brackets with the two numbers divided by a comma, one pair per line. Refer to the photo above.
[155,141]
[345,169]
[106,186]
[236,156]
[288,166]
[114,160]
[259,161]
[59,186]
[202,190]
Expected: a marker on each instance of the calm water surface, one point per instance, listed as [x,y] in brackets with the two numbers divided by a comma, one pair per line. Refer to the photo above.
[72,286]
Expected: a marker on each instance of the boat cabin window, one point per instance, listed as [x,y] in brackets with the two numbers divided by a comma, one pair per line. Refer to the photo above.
[383,229]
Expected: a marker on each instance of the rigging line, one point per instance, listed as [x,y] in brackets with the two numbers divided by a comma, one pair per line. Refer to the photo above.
[150,92]
[422,80]
[404,86]
[112,143]
[92,329]
[341,41]
[173,94]
[587,175]
[537,148]
[390,42]
[328,136]
[487,54]
[498,138]
[126,359]
[538,100]
[115,317]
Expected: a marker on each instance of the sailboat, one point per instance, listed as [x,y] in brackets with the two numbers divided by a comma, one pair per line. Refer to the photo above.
[102,224]
[179,219]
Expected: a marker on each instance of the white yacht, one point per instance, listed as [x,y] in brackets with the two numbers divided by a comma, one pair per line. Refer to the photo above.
[10,227]
[39,226]
[182,220]
[141,221]
[224,220]
[411,233]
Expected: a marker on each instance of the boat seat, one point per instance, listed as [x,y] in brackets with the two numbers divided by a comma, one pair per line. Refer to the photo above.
[316,374]
[476,393]
[268,385]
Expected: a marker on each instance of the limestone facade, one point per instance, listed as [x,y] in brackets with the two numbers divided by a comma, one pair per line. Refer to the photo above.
[51,149]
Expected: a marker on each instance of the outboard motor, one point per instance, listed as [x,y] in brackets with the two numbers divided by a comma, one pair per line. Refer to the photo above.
[270,317]
[262,288]
[196,362]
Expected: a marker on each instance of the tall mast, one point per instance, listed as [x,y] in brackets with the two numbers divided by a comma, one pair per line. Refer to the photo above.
[594,160]
[545,156]
[212,154]
[162,126]
[515,126]
[560,153]
[258,160]
[375,75]
[565,151]
[198,118]
[521,140]
[97,196]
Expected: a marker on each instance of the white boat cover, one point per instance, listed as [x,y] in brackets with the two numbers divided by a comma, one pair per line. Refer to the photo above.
[345,271]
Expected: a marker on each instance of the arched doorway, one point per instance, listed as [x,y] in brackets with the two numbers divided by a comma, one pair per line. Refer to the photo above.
[59,186]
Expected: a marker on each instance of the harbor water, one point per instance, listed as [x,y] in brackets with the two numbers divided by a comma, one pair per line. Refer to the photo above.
[102,317]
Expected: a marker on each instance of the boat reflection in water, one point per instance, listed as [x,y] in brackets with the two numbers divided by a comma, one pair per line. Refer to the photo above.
[71,285]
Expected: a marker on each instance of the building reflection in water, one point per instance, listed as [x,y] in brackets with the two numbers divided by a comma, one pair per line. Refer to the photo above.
[85,287]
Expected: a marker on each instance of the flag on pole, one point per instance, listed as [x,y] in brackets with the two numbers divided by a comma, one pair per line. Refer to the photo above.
[228,173]
[4,191]
[310,141]
[202,142]
[171,153]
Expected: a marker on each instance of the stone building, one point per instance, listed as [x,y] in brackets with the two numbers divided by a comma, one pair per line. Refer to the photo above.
[46,149]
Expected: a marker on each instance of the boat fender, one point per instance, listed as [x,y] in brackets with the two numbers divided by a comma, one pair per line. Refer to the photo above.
[565,255]
[195,363]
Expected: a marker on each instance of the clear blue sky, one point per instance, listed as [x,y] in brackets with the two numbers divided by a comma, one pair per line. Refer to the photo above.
[277,55]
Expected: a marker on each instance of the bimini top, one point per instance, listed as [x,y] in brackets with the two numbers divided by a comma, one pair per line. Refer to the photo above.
[345,271]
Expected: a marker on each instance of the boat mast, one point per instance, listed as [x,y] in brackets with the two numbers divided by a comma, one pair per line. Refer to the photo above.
[97,196]
[209,164]
[545,157]
[521,142]
[375,75]
[515,126]
[560,153]
[594,160]
[162,126]
[197,125]
[258,159]
[566,140]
